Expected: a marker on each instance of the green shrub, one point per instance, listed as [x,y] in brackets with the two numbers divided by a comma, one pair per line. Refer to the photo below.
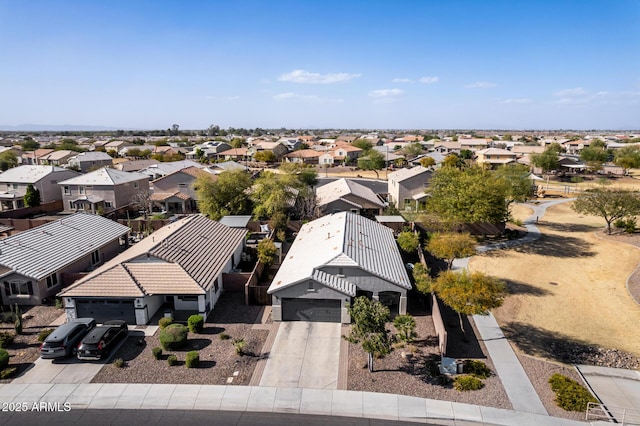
[172,360]
[4,359]
[570,395]
[44,334]
[59,304]
[476,368]
[192,360]
[164,322]
[156,352]
[8,317]
[630,226]
[620,223]
[467,383]
[7,372]
[239,345]
[6,339]
[118,362]
[196,323]
[173,337]
[224,336]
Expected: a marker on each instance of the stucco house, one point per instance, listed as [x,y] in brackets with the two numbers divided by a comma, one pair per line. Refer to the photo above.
[406,187]
[181,266]
[14,183]
[91,160]
[494,157]
[333,260]
[157,170]
[104,189]
[174,193]
[347,195]
[34,264]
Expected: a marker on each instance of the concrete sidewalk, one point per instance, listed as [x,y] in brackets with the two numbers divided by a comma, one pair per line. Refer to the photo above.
[268,399]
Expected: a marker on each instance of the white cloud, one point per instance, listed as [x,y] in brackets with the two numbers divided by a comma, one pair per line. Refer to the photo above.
[480,85]
[402,80]
[429,80]
[386,93]
[302,76]
[566,93]
[290,96]
[516,101]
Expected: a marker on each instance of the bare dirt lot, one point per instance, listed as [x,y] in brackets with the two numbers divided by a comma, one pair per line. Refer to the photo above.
[567,286]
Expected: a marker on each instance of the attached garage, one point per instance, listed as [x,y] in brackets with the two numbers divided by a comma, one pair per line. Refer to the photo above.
[106,309]
[319,310]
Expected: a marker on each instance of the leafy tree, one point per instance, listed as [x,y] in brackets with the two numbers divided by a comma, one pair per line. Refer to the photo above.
[363,144]
[265,156]
[267,251]
[406,326]
[32,196]
[272,193]
[413,150]
[427,162]
[8,159]
[547,160]
[369,327]
[507,137]
[236,143]
[450,246]
[371,160]
[466,154]
[609,204]
[469,293]
[422,278]
[470,195]
[517,185]
[595,155]
[408,241]
[225,195]
[29,144]
[453,160]
[628,157]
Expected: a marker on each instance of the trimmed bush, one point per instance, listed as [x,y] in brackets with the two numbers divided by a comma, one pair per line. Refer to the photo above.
[118,362]
[196,323]
[6,339]
[173,337]
[172,360]
[44,334]
[7,372]
[224,336]
[192,360]
[467,383]
[164,322]
[476,368]
[156,352]
[239,345]
[570,395]
[4,359]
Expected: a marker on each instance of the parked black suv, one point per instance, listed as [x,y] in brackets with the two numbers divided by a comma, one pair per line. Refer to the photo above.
[63,340]
[101,339]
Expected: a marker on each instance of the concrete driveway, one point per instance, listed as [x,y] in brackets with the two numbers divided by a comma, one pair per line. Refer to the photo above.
[304,355]
[617,388]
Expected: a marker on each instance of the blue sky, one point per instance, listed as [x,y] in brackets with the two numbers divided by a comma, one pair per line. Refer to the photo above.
[340,64]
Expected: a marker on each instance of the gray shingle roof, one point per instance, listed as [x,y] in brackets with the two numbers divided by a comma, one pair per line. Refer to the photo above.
[43,250]
[337,283]
[105,176]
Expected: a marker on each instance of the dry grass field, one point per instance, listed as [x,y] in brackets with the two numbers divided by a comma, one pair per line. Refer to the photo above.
[568,285]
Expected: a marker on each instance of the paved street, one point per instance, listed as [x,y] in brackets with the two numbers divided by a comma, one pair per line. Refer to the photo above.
[304,355]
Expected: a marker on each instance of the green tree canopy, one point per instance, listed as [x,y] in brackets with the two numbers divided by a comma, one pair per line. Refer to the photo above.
[427,162]
[547,160]
[363,144]
[265,156]
[369,327]
[408,241]
[422,278]
[450,246]
[516,181]
[454,161]
[8,159]
[371,160]
[31,196]
[29,144]
[413,150]
[595,155]
[267,251]
[469,293]
[628,157]
[225,195]
[609,204]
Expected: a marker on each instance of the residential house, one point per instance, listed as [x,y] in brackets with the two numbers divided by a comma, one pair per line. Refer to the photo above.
[57,158]
[237,154]
[207,151]
[346,152]
[303,156]
[290,143]
[279,149]
[88,161]
[576,146]
[347,195]
[134,165]
[102,190]
[448,147]
[406,187]
[351,256]
[125,151]
[474,144]
[494,157]
[174,193]
[37,263]
[437,157]
[116,145]
[181,265]
[217,168]
[156,171]
[32,157]
[14,183]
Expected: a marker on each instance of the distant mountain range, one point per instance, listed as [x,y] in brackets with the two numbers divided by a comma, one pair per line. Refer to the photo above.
[54,128]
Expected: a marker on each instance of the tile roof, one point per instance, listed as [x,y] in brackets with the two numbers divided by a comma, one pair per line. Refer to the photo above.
[344,187]
[43,250]
[335,282]
[198,246]
[342,239]
[105,176]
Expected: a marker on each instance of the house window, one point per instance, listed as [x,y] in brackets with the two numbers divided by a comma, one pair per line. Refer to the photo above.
[354,211]
[188,298]
[311,288]
[19,288]
[407,202]
[52,280]
[136,185]
[81,190]
[107,204]
[95,257]
[67,190]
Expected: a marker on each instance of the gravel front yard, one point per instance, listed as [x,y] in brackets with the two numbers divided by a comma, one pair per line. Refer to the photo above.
[218,359]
